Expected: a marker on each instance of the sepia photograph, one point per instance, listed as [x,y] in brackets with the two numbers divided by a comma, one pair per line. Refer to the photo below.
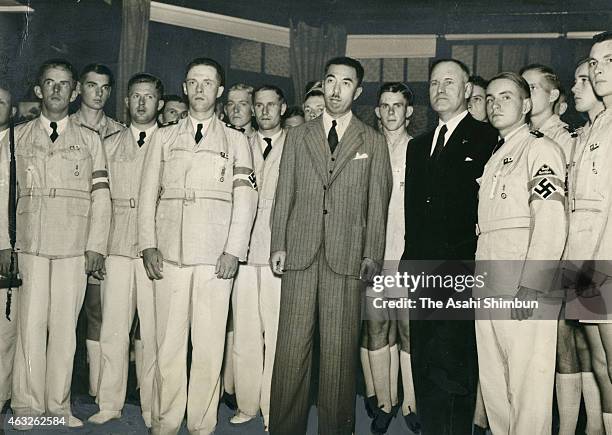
[332,217]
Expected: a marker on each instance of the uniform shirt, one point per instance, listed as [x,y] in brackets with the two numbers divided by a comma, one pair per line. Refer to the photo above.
[266,172]
[561,133]
[197,200]
[521,215]
[394,246]
[106,127]
[63,206]
[341,123]
[451,125]
[4,187]
[125,159]
[61,124]
[590,191]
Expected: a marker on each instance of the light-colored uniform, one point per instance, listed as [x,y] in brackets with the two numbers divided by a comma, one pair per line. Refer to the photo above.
[521,221]
[126,285]
[8,329]
[197,200]
[561,133]
[63,210]
[106,127]
[589,241]
[256,294]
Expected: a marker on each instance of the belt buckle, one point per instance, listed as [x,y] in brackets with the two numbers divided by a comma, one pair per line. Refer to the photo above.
[132,203]
[52,192]
[573,204]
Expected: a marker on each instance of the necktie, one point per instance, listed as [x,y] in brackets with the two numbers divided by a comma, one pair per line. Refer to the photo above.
[141,138]
[332,137]
[439,143]
[268,140]
[54,134]
[199,135]
[499,144]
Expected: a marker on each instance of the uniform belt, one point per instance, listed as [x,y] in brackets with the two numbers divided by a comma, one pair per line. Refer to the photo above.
[193,194]
[503,224]
[54,192]
[586,204]
[125,202]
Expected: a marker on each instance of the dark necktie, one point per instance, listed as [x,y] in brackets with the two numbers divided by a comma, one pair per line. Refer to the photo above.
[268,140]
[141,138]
[439,143]
[54,134]
[498,146]
[332,137]
[199,135]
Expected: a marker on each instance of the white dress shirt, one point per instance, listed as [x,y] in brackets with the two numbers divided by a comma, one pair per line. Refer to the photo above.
[451,125]
[275,137]
[61,124]
[148,132]
[205,124]
[341,123]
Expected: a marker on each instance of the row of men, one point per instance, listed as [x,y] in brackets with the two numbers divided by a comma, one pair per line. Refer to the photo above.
[192,224]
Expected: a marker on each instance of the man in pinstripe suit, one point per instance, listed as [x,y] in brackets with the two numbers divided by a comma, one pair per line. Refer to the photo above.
[328,237]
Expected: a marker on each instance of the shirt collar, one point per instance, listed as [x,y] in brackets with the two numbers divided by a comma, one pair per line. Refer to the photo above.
[341,123]
[452,123]
[514,132]
[274,137]
[61,124]
[148,132]
[205,123]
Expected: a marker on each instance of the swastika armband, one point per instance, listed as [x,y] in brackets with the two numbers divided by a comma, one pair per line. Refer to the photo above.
[547,188]
[244,177]
[99,180]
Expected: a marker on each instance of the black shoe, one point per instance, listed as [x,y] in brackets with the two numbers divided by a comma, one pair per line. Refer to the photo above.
[413,422]
[381,422]
[230,401]
[442,381]
[371,406]
[478,430]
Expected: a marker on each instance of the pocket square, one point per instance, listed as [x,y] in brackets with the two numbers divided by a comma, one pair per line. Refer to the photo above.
[468,159]
[360,156]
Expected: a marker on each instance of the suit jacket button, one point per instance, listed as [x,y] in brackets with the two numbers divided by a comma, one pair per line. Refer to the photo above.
[333,159]
[331,171]
[324,211]
[324,187]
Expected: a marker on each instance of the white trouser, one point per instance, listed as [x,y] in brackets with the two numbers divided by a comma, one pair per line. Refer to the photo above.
[49,304]
[125,287]
[189,296]
[255,304]
[516,361]
[8,338]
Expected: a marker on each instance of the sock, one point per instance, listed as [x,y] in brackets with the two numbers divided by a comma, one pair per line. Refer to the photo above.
[480,413]
[367,372]
[380,362]
[138,351]
[409,404]
[592,404]
[568,388]
[607,420]
[93,355]
[394,373]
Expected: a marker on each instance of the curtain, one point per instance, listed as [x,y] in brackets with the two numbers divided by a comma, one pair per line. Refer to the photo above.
[310,48]
[133,48]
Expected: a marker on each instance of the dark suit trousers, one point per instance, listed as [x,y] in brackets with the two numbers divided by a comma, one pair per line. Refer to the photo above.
[444,353]
[316,294]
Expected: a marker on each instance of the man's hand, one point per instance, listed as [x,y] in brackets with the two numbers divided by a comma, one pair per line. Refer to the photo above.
[587,284]
[277,262]
[5,261]
[153,263]
[524,294]
[94,264]
[227,266]
[369,269]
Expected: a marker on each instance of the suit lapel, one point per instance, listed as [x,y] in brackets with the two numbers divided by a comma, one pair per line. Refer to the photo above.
[457,139]
[315,144]
[348,146]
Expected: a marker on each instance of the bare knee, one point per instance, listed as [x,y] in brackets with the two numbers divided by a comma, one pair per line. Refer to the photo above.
[378,334]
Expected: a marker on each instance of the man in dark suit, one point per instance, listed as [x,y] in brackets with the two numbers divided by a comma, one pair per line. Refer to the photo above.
[328,237]
[440,216]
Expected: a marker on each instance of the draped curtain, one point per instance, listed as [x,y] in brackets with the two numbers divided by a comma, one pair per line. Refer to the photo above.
[310,48]
[133,48]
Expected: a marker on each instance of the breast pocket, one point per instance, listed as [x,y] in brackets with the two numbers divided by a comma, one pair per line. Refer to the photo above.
[176,163]
[75,167]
